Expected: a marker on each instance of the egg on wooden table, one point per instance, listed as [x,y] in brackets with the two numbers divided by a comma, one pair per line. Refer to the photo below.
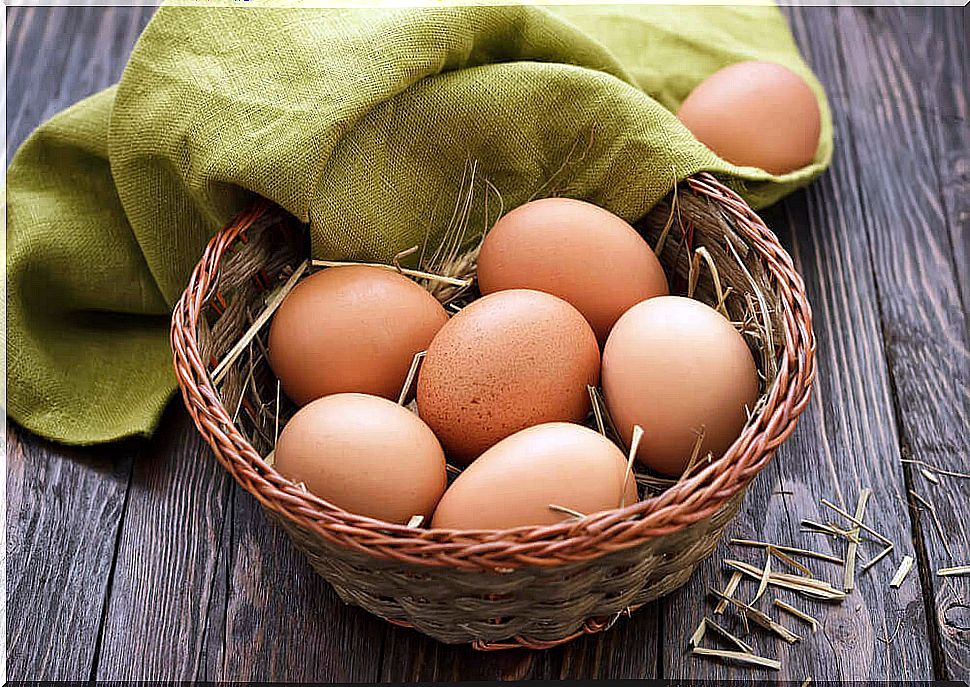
[757,114]
[351,329]
[677,368]
[365,454]
[514,482]
[575,250]
[507,361]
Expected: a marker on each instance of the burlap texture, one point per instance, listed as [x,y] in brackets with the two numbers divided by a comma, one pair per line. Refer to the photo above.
[362,123]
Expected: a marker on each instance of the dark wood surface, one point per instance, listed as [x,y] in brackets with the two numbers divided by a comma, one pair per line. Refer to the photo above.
[142,560]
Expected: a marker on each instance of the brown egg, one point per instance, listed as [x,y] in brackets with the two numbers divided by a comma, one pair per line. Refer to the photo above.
[351,329]
[364,454]
[582,253]
[507,361]
[514,482]
[756,114]
[676,367]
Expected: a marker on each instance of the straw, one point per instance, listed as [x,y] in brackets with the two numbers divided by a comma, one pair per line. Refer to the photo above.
[234,352]
[420,274]
[634,445]
[804,585]
[597,411]
[801,615]
[698,635]
[743,646]
[790,562]
[933,468]
[693,275]
[760,617]
[902,572]
[739,656]
[850,556]
[729,589]
[879,556]
[855,521]
[787,549]
[765,576]
[566,511]
[411,376]
[936,522]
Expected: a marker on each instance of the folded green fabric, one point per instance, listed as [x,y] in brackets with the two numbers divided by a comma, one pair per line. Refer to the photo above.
[362,123]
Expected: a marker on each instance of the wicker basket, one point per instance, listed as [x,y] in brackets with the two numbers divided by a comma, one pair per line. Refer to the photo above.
[533,586]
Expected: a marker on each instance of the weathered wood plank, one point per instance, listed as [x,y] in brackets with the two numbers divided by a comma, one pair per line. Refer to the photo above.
[952,138]
[64,505]
[37,48]
[846,440]
[213,641]
[59,55]
[166,561]
[410,657]
[282,622]
[896,82]
[63,510]
[627,651]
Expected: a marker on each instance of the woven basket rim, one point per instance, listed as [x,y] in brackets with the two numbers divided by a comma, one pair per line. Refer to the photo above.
[682,504]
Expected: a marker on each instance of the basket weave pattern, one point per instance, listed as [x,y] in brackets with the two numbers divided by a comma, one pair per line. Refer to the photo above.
[532,586]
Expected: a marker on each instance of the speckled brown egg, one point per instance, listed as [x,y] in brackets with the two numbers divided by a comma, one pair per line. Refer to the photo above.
[507,361]
[575,250]
[364,454]
[513,483]
[351,329]
[677,367]
[757,114]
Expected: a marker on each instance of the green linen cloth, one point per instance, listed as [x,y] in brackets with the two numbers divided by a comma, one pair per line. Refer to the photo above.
[358,122]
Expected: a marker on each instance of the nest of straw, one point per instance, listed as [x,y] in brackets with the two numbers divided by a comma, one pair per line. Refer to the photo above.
[719,273]
[533,586]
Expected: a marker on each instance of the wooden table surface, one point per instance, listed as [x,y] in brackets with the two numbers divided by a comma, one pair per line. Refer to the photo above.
[142,560]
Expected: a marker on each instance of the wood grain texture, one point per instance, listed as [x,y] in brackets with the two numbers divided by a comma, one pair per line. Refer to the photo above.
[281,621]
[952,137]
[847,438]
[58,55]
[166,560]
[64,506]
[627,651]
[896,83]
